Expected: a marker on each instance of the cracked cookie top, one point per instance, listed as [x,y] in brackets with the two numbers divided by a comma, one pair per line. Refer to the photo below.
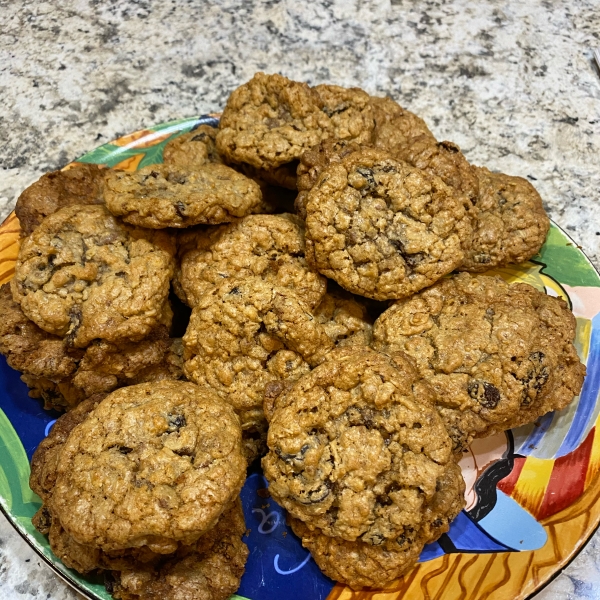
[498,355]
[152,465]
[85,275]
[356,447]
[160,196]
[268,246]
[381,228]
[270,120]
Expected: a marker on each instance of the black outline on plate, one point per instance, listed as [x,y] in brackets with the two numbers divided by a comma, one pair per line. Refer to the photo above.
[203,121]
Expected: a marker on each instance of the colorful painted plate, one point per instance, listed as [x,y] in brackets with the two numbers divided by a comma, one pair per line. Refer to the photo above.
[532,493]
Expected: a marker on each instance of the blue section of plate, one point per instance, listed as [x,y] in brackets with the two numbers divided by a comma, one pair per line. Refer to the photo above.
[27,415]
[278,565]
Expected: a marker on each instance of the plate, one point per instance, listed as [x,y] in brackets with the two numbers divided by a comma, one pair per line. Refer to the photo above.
[532,493]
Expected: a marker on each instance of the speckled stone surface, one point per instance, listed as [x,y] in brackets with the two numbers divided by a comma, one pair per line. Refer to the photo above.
[511,81]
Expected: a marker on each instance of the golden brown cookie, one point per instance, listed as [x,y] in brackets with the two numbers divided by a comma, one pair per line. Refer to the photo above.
[356,448]
[498,355]
[85,275]
[267,246]
[80,184]
[62,376]
[152,465]
[313,161]
[192,150]
[270,121]
[445,160]
[395,125]
[160,196]
[511,224]
[383,229]
[235,344]
[86,558]
[359,565]
[211,569]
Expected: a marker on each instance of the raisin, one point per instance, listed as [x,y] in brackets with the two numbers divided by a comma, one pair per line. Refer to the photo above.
[485,393]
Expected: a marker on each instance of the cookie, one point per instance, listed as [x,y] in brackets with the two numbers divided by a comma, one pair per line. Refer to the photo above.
[345,319]
[356,448]
[32,350]
[312,162]
[383,229]
[231,344]
[45,458]
[210,570]
[85,558]
[270,121]
[62,376]
[395,125]
[106,366]
[152,465]
[160,196]
[498,355]
[445,160]
[359,565]
[79,184]
[268,246]
[192,150]
[85,275]
[511,224]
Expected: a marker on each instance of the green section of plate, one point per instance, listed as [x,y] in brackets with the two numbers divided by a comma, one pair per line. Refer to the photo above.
[15,495]
[565,261]
[112,154]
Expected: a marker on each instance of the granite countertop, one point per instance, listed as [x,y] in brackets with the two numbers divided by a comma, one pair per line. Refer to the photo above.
[512,82]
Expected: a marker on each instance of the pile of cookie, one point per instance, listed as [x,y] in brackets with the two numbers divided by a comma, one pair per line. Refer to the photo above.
[145,485]
[312,235]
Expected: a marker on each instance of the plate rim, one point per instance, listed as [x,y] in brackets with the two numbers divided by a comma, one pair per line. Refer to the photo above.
[205,119]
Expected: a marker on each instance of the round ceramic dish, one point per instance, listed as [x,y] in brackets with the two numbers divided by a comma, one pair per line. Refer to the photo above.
[532,493]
